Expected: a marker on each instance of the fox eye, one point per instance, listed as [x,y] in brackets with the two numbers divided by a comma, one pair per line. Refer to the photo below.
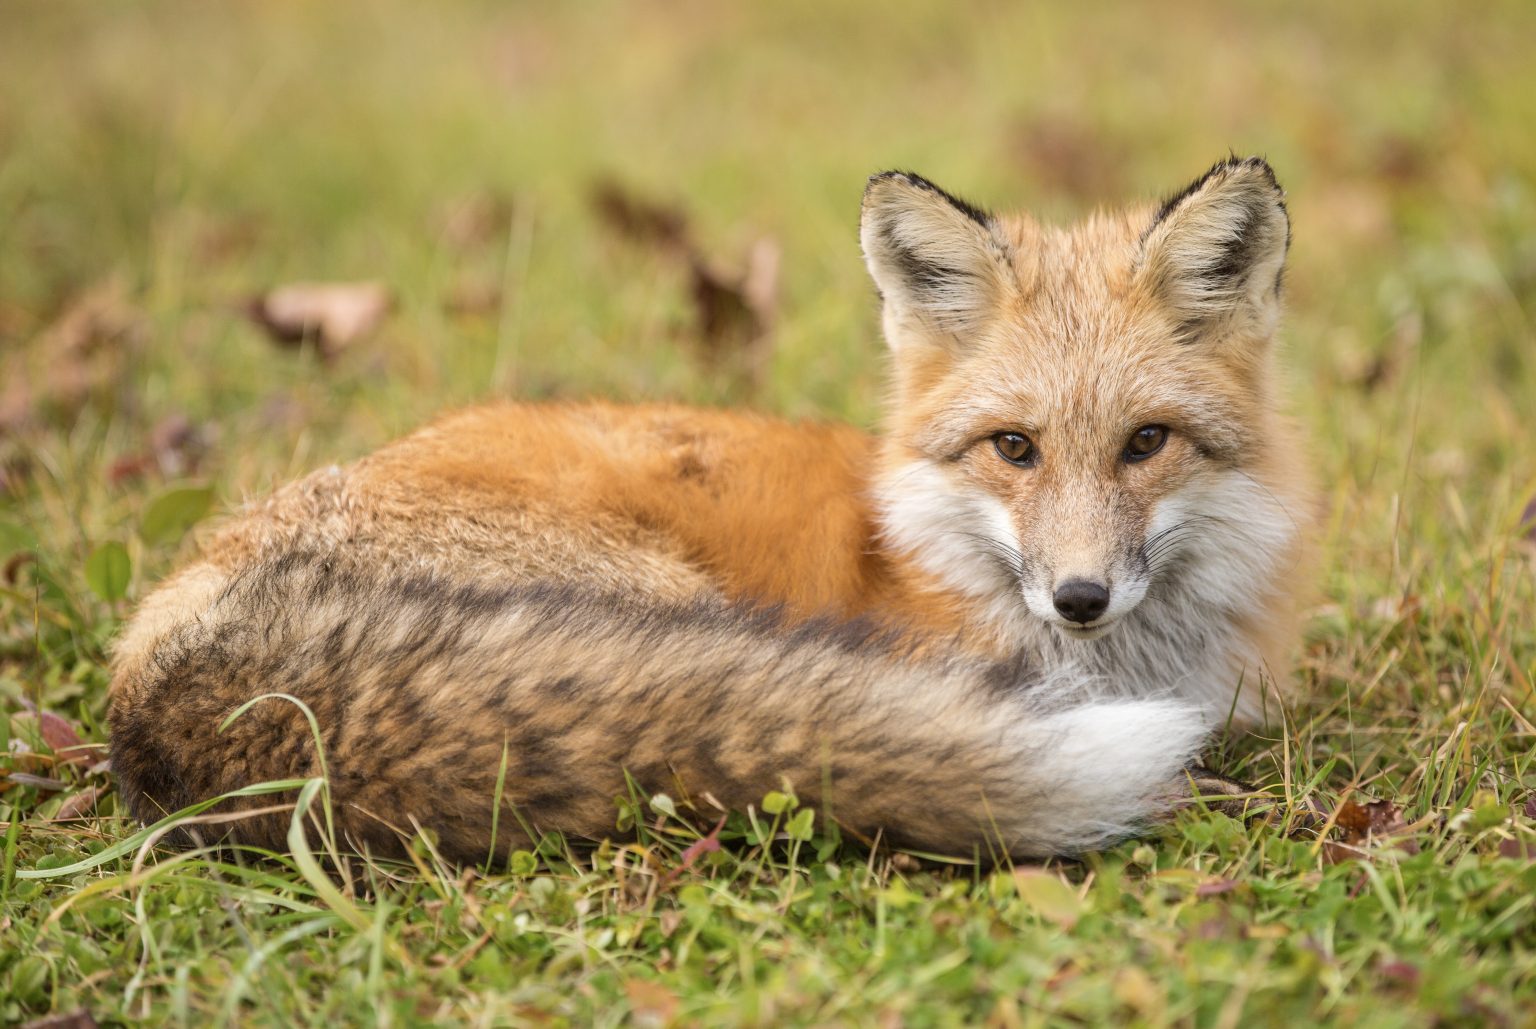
[1015,448]
[1145,442]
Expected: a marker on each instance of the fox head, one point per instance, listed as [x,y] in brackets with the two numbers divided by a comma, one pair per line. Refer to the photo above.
[1084,418]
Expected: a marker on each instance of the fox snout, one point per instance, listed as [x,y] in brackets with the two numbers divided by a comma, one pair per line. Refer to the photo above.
[1085,594]
[1081,600]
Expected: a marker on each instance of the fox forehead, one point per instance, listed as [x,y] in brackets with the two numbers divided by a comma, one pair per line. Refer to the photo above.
[1079,377]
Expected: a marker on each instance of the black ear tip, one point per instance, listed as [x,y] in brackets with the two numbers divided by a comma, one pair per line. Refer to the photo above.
[1236,165]
[904,178]
[912,180]
[1225,169]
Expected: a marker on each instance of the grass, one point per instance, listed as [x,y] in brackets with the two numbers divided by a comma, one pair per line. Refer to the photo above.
[171,159]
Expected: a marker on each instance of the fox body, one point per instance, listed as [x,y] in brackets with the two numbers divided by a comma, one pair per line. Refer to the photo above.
[1009,621]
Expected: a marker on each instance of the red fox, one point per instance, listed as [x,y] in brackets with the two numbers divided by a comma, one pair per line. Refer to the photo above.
[1008,623]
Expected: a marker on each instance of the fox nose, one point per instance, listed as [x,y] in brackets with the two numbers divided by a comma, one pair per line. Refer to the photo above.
[1081,601]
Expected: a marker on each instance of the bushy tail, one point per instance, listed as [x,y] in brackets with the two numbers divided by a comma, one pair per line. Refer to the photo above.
[436,698]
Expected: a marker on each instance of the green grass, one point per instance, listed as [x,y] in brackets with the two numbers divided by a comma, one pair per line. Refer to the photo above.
[194,154]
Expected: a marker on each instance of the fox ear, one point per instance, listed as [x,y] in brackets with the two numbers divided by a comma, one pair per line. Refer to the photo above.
[1215,252]
[938,262]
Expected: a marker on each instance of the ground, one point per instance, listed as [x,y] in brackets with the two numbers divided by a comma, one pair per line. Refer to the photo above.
[163,165]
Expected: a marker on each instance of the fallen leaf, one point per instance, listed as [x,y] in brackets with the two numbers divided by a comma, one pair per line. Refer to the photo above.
[1530,806]
[1353,819]
[1396,609]
[1361,826]
[650,1003]
[174,449]
[331,315]
[76,359]
[129,467]
[179,445]
[640,221]
[1216,887]
[218,240]
[475,220]
[473,298]
[79,805]
[698,848]
[60,736]
[735,313]
[98,318]
[1519,849]
[734,310]
[1400,972]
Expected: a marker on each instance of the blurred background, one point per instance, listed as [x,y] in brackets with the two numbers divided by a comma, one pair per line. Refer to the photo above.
[660,200]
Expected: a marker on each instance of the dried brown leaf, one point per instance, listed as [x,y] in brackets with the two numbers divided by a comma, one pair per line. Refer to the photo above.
[331,315]
[641,221]
[174,450]
[129,467]
[473,298]
[1216,887]
[1519,849]
[1400,972]
[650,1003]
[61,737]
[78,357]
[734,310]
[1353,820]
[1361,826]
[179,445]
[697,849]
[475,220]
[101,317]
[735,314]
[79,805]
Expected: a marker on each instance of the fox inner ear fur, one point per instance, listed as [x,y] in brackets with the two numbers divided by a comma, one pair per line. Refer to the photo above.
[938,262]
[1215,252]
